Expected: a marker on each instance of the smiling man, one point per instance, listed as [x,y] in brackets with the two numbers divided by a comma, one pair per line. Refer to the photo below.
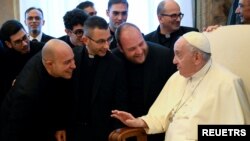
[17,51]
[243,11]
[98,84]
[35,106]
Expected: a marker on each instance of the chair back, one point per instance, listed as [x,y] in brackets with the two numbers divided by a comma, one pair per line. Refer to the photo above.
[123,134]
[230,47]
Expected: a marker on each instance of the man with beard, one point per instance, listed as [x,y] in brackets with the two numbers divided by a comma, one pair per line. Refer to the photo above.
[34,20]
[17,50]
[147,65]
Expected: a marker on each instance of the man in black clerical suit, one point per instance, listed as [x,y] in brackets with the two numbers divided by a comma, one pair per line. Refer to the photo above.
[148,66]
[99,85]
[34,21]
[17,51]
[169,30]
[35,107]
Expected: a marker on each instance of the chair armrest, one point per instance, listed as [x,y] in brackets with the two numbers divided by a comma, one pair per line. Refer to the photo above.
[122,134]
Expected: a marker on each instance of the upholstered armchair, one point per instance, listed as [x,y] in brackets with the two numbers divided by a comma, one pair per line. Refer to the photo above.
[122,134]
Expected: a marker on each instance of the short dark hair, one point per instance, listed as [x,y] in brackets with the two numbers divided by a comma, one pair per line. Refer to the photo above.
[111,2]
[74,17]
[85,4]
[10,28]
[122,27]
[32,8]
[94,22]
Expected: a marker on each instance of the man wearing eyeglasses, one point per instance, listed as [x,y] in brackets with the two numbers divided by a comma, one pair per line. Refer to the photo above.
[73,22]
[118,13]
[34,20]
[17,51]
[98,84]
[169,30]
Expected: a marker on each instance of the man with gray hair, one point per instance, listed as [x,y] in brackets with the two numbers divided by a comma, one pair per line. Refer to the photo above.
[201,92]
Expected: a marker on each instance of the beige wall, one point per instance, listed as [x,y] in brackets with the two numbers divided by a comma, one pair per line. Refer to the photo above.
[9,10]
[211,12]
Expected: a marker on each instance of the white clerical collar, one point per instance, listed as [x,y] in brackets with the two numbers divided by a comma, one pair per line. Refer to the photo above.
[203,71]
[167,36]
[89,55]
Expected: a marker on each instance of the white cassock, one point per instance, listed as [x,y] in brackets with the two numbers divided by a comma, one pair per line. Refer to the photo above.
[213,95]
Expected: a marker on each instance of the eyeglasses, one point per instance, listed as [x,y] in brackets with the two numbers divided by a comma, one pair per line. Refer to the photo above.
[78,32]
[102,41]
[20,41]
[92,13]
[174,16]
[36,18]
[123,13]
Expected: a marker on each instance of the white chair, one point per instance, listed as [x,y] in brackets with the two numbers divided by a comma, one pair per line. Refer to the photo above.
[230,46]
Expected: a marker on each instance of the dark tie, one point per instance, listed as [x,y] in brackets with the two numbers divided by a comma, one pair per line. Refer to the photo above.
[34,40]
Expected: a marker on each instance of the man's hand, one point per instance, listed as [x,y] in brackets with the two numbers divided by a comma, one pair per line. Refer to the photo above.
[210,28]
[128,119]
[60,135]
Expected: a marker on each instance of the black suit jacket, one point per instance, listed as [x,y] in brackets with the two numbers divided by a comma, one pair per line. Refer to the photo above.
[13,63]
[157,68]
[66,39]
[46,38]
[108,92]
[156,37]
[34,107]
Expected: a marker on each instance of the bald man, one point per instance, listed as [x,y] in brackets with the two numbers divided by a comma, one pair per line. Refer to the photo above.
[201,92]
[34,107]
[169,30]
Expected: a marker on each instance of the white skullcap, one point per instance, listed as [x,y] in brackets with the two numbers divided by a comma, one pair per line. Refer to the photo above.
[198,40]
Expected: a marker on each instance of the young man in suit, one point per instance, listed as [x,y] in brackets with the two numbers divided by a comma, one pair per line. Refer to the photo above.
[98,83]
[73,22]
[117,13]
[34,21]
[17,50]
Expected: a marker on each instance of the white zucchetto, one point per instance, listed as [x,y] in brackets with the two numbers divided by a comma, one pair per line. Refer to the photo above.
[198,40]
